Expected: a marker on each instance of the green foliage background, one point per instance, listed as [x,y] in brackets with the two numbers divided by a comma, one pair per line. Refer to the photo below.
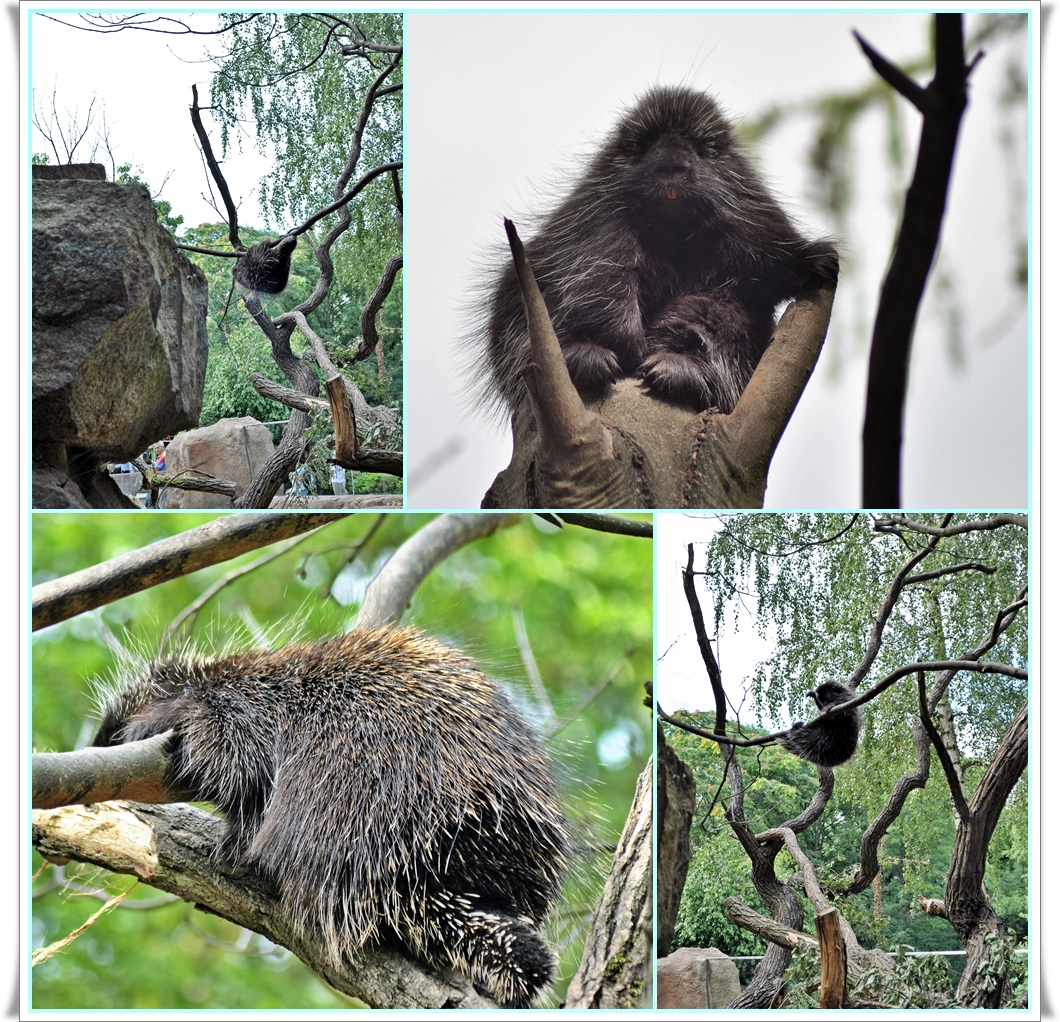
[586,600]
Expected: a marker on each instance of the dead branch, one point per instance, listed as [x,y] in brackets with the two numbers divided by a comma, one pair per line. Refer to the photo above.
[172,848]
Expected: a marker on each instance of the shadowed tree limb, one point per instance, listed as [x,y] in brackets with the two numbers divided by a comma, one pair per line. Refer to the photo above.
[942,104]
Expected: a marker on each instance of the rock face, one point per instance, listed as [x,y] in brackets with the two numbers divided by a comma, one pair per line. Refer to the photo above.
[231,449]
[119,321]
[697,977]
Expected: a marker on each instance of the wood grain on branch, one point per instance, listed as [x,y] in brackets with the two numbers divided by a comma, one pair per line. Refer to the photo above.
[632,449]
[172,848]
[616,966]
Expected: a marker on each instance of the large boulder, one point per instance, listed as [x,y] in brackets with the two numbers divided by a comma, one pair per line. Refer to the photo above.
[119,321]
[696,977]
[230,449]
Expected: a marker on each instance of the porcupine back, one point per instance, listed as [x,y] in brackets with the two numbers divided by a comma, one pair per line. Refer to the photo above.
[385,785]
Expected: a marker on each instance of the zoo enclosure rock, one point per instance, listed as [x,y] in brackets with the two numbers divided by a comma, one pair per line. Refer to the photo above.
[696,977]
[119,320]
[230,449]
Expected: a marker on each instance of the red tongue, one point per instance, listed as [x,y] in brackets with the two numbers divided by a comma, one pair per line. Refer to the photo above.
[671,193]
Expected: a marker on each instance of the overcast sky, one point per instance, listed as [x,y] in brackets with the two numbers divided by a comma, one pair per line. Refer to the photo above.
[501,106]
[143,82]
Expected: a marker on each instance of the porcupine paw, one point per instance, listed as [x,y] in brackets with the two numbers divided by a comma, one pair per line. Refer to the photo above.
[503,954]
[592,368]
[695,354]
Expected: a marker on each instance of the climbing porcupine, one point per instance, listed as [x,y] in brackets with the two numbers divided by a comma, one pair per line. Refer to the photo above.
[833,740]
[383,784]
[666,260]
[265,267]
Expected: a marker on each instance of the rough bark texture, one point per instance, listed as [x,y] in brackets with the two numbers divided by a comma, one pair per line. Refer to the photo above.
[967,902]
[171,847]
[616,967]
[676,802]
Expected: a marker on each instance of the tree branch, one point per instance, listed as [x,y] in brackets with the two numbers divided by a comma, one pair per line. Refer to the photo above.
[219,540]
[215,171]
[942,104]
[616,966]
[172,848]
[390,591]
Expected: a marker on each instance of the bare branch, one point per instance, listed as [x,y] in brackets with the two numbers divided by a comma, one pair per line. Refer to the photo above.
[956,791]
[219,540]
[942,104]
[389,593]
[215,170]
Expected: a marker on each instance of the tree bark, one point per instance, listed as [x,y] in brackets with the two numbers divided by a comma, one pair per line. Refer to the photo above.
[675,805]
[616,967]
[968,905]
[172,848]
[632,449]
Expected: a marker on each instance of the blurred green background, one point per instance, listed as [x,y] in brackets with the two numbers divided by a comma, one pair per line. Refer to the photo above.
[584,599]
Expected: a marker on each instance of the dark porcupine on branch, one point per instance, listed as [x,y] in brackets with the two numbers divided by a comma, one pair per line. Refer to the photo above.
[667,260]
[383,784]
[266,266]
[830,741]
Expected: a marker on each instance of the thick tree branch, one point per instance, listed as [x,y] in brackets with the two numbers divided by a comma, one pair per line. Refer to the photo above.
[219,540]
[616,966]
[139,771]
[942,104]
[172,848]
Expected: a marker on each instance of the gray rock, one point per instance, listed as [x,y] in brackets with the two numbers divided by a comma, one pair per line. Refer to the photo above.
[70,172]
[696,977]
[119,321]
[231,449]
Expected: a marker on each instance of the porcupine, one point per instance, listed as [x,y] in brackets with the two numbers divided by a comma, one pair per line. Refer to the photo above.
[666,260]
[387,788]
[833,740]
[266,266]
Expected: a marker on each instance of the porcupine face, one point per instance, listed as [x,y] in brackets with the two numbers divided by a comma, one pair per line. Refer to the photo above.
[387,788]
[674,155]
[830,693]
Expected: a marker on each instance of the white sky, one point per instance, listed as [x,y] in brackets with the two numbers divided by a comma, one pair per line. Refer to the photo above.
[499,106]
[144,81]
[681,676]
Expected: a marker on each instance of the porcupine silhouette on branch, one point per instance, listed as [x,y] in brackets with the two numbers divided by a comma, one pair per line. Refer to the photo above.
[666,261]
[385,786]
[834,739]
[266,266]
